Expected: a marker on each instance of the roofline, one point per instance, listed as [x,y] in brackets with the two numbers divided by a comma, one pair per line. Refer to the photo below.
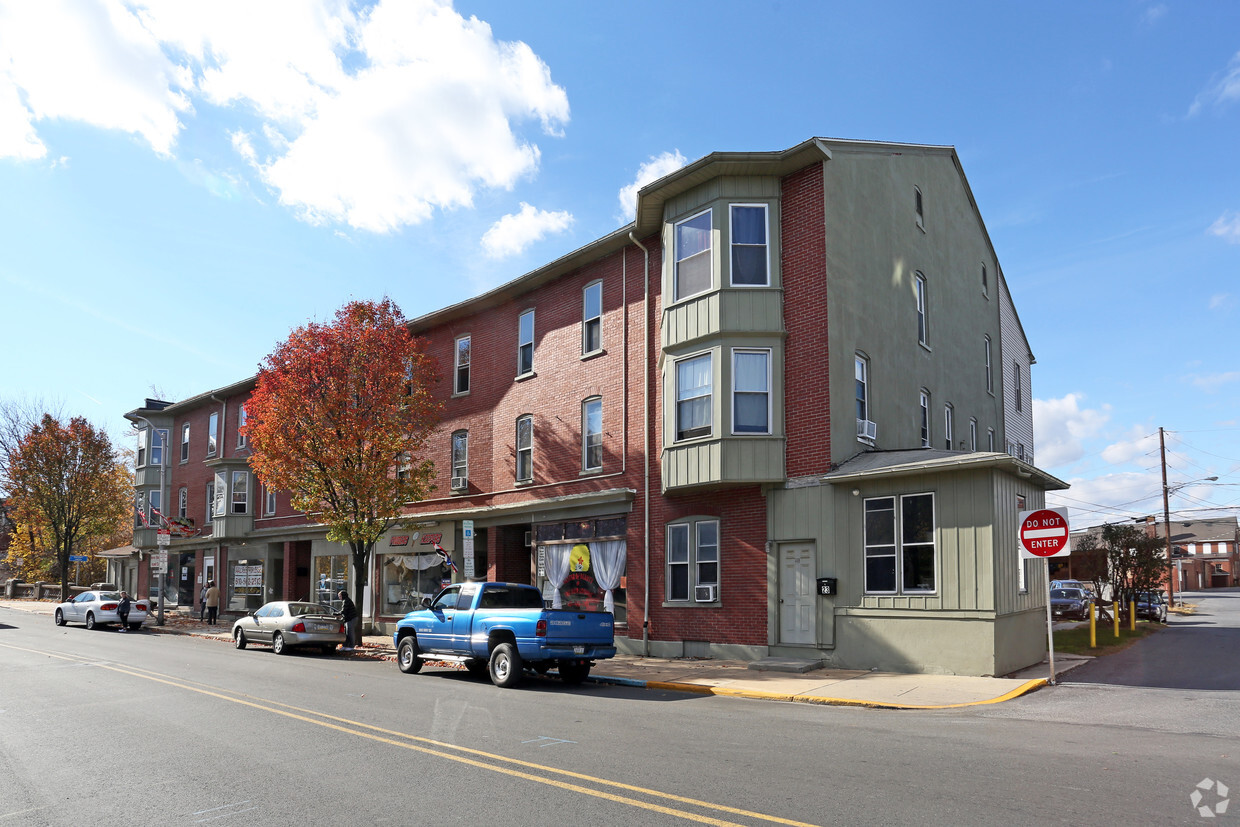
[971,461]
[195,401]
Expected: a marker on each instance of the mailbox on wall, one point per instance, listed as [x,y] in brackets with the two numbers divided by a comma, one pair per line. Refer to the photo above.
[828,586]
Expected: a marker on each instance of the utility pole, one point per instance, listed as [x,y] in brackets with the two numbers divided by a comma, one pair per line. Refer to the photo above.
[1162,449]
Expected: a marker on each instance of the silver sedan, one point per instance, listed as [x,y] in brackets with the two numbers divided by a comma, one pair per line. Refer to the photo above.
[287,623]
[97,609]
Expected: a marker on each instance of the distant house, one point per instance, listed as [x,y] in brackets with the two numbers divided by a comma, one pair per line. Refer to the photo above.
[1205,552]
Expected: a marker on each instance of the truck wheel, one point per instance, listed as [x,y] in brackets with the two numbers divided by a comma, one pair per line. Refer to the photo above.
[573,673]
[505,665]
[477,667]
[407,656]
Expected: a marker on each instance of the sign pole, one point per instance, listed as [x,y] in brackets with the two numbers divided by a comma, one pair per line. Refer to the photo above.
[1050,634]
[1044,533]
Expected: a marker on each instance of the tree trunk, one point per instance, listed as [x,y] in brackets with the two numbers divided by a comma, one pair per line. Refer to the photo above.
[361,576]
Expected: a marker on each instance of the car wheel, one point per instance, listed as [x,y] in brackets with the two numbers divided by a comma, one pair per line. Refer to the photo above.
[277,644]
[239,639]
[505,665]
[574,673]
[477,667]
[60,618]
[407,656]
[90,621]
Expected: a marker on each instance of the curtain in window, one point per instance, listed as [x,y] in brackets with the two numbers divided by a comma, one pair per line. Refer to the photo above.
[557,570]
[693,387]
[608,557]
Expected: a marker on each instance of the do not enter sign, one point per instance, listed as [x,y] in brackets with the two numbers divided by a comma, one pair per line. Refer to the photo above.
[1044,533]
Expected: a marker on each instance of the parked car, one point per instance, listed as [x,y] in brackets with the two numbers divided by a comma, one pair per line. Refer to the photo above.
[1152,606]
[98,608]
[288,623]
[1088,588]
[1070,603]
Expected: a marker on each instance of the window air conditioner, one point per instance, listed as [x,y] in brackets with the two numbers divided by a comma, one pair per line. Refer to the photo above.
[460,483]
[867,430]
[706,594]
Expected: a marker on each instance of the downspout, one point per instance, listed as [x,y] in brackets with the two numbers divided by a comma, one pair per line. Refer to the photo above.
[645,441]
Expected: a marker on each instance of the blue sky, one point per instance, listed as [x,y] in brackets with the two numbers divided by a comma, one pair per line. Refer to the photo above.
[182,185]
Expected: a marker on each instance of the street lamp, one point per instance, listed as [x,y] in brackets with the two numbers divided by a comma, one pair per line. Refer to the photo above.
[163,504]
[1172,570]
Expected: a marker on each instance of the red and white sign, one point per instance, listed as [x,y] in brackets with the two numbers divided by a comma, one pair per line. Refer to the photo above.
[1044,533]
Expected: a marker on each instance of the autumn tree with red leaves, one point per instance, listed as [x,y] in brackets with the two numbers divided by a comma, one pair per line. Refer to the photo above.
[339,417]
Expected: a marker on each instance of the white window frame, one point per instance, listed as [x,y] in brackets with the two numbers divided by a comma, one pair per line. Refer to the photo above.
[269,507]
[919,208]
[210,507]
[765,245]
[528,450]
[990,377]
[900,543]
[949,429]
[592,318]
[242,477]
[182,503]
[140,455]
[459,468]
[923,322]
[460,368]
[185,442]
[525,346]
[924,402]
[990,439]
[159,444]
[140,507]
[678,432]
[861,391]
[213,433]
[738,392]
[241,417]
[591,440]
[155,502]
[709,252]
[699,557]
[973,434]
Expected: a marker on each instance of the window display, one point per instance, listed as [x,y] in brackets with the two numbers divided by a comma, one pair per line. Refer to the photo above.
[407,578]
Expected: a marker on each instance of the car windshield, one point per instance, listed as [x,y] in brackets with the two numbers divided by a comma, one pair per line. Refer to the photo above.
[303,609]
[1066,594]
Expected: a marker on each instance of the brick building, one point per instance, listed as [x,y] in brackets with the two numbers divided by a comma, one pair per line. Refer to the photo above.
[769,417]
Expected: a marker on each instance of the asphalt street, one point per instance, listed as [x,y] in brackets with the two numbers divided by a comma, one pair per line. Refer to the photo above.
[163,729]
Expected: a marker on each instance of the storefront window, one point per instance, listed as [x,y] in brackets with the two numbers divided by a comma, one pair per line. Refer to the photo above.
[331,575]
[407,578]
[244,585]
[579,574]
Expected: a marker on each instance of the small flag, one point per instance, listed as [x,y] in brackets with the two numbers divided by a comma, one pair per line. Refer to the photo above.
[447,558]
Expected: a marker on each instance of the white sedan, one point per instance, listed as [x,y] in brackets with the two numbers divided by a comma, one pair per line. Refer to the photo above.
[97,609]
[288,623]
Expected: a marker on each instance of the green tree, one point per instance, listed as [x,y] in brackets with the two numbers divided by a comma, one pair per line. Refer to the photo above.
[339,417]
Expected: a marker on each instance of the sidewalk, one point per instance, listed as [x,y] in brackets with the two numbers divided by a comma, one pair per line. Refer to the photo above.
[775,679]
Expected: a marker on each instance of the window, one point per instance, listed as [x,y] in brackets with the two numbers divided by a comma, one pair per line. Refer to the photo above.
[240,492]
[693,397]
[460,374]
[185,442]
[182,503]
[158,440]
[213,428]
[1022,575]
[990,439]
[919,283]
[525,448]
[751,391]
[973,434]
[1016,385]
[525,343]
[460,455]
[692,558]
[140,519]
[592,318]
[948,426]
[985,282]
[592,434]
[749,256]
[693,256]
[403,465]
[861,371]
[155,500]
[241,426]
[271,501]
[919,208]
[990,381]
[899,546]
[141,440]
[925,418]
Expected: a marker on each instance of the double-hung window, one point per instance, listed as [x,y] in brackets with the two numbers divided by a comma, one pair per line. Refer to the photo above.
[185,442]
[182,503]
[693,256]
[213,432]
[210,501]
[159,439]
[241,419]
[592,318]
[271,500]
[141,440]
[924,403]
[155,500]
[693,561]
[973,434]
[919,284]
[592,434]
[990,439]
[525,343]
[694,399]
[240,492]
[751,391]
[140,520]
[525,448]
[750,263]
[949,424]
[460,459]
[990,379]
[866,430]
[460,372]
[899,545]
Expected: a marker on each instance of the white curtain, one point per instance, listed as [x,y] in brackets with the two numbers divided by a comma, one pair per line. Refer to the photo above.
[418,562]
[607,557]
[557,570]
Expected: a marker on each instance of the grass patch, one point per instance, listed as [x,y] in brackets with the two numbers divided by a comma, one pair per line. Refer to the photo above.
[1076,641]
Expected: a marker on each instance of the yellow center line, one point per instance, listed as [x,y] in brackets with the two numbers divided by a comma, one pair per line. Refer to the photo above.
[436,748]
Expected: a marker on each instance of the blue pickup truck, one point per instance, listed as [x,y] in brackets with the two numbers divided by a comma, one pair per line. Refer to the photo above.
[501,628]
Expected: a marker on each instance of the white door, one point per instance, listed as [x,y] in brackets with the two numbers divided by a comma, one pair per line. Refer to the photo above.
[797,597]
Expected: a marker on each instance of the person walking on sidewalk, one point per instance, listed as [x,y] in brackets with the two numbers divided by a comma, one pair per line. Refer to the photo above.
[212,601]
[122,611]
[348,613]
[202,602]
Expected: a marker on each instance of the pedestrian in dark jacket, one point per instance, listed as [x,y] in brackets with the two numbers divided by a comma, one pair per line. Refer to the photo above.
[348,613]
[122,611]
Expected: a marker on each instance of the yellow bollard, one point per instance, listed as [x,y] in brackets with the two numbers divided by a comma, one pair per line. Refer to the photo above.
[1115,616]
[1093,626]
[1132,615]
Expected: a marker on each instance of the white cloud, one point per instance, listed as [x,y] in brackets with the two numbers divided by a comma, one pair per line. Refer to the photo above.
[374,116]
[513,233]
[1141,447]
[1224,90]
[1227,227]
[1222,301]
[1153,14]
[1109,498]
[1211,382]
[1061,424]
[655,168]
[91,62]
